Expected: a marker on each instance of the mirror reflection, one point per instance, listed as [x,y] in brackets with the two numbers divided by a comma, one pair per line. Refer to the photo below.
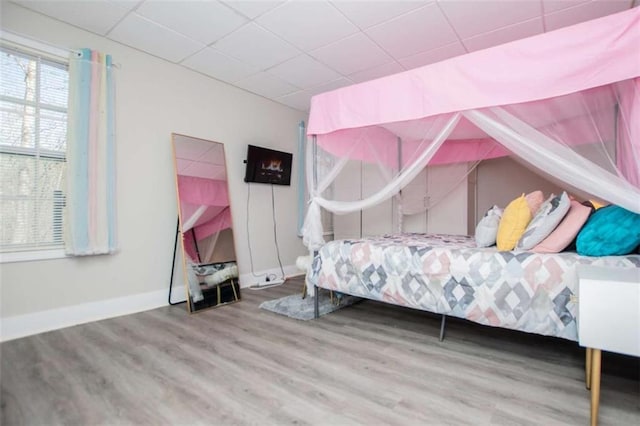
[208,249]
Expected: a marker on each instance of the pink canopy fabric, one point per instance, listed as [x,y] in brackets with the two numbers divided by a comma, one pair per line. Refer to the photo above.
[210,197]
[568,60]
[567,103]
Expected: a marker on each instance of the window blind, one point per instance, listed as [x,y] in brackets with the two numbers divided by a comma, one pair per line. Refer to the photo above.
[33,132]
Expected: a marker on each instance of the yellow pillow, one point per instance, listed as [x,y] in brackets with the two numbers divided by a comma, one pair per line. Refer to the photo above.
[514,222]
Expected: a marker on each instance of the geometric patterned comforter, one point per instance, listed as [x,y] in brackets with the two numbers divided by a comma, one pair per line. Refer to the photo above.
[448,274]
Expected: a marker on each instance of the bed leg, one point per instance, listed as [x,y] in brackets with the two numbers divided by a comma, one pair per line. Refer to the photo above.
[316,309]
[444,318]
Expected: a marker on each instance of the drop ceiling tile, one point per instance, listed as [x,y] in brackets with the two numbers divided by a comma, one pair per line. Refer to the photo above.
[97,16]
[376,72]
[300,100]
[549,6]
[252,9]
[433,56]
[257,46]
[211,62]
[504,35]
[304,71]
[417,31]
[367,13]
[352,54]
[584,12]
[148,36]
[332,85]
[307,24]
[199,20]
[471,18]
[266,85]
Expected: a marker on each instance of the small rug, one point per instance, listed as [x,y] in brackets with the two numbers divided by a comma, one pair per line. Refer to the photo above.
[294,306]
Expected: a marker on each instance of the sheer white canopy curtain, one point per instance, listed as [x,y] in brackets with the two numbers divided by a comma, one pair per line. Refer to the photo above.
[90,210]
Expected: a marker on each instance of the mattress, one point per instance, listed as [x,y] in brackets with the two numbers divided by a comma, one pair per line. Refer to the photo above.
[448,274]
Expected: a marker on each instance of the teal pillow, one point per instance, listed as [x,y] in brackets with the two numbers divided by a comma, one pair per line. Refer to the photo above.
[610,231]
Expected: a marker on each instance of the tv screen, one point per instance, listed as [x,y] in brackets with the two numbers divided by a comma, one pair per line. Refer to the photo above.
[268,166]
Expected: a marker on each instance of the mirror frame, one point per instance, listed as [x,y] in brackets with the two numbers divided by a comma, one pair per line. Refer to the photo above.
[236,282]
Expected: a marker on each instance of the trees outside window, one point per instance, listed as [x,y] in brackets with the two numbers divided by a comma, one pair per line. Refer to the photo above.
[33,133]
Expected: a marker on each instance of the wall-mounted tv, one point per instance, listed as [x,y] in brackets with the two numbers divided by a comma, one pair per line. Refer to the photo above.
[266,165]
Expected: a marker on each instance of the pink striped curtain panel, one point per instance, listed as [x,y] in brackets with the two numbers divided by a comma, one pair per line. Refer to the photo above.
[90,210]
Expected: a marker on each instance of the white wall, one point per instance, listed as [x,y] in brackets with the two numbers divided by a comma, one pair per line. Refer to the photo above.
[501,180]
[154,99]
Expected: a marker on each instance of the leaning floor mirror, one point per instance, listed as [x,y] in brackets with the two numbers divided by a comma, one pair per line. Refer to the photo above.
[204,223]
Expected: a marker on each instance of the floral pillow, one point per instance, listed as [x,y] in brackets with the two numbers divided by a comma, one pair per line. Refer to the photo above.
[545,221]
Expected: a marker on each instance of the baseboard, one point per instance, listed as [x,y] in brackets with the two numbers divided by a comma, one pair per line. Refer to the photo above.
[40,322]
[54,319]
[249,280]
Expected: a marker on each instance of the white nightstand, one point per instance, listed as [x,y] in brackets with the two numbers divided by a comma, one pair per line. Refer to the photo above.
[608,319]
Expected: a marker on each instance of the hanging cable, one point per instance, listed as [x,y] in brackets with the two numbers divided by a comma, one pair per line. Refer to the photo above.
[275,232]
[249,239]
[271,277]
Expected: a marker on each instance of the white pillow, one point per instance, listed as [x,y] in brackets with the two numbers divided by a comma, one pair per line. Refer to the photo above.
[550,214]
[487,228]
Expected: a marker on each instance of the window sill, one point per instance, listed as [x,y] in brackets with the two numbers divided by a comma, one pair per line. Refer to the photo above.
[30,256]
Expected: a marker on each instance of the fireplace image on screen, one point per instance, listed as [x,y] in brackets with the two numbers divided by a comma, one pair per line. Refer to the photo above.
[204,217]
[266,165]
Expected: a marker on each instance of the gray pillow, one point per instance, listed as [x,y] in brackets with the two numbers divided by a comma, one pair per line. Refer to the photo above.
[550,214]
[487,228]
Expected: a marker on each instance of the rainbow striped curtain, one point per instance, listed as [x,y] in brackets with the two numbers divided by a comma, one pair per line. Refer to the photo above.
[90,208]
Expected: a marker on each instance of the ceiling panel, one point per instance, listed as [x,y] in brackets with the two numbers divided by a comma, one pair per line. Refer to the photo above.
[252,8]
[367,13]
[352,54]
[332,85]
[213,63]
[202,21]
[97,16]
[549,6]
[307,24]
[433,56]
[289,50]
[471,18]
[257,46]
[266,85]
[584,12]
[148,36]
[304,71]
[417,31]
[376,72]
[298,100]
[504,35]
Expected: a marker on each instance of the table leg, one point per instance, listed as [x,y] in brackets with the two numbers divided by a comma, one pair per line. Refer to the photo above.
[587,367]
[596,359]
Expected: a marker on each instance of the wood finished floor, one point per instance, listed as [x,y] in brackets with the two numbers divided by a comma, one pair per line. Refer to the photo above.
[371,363]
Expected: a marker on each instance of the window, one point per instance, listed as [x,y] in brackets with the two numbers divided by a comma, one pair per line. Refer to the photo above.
[33,132]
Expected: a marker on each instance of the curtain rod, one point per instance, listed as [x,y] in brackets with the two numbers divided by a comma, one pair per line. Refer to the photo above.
[42,46]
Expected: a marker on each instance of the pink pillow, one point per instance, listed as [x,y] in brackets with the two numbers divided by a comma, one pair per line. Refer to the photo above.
[566,231]
[534,201]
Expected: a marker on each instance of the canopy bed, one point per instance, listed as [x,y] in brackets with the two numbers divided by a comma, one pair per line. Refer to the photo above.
[565,104]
